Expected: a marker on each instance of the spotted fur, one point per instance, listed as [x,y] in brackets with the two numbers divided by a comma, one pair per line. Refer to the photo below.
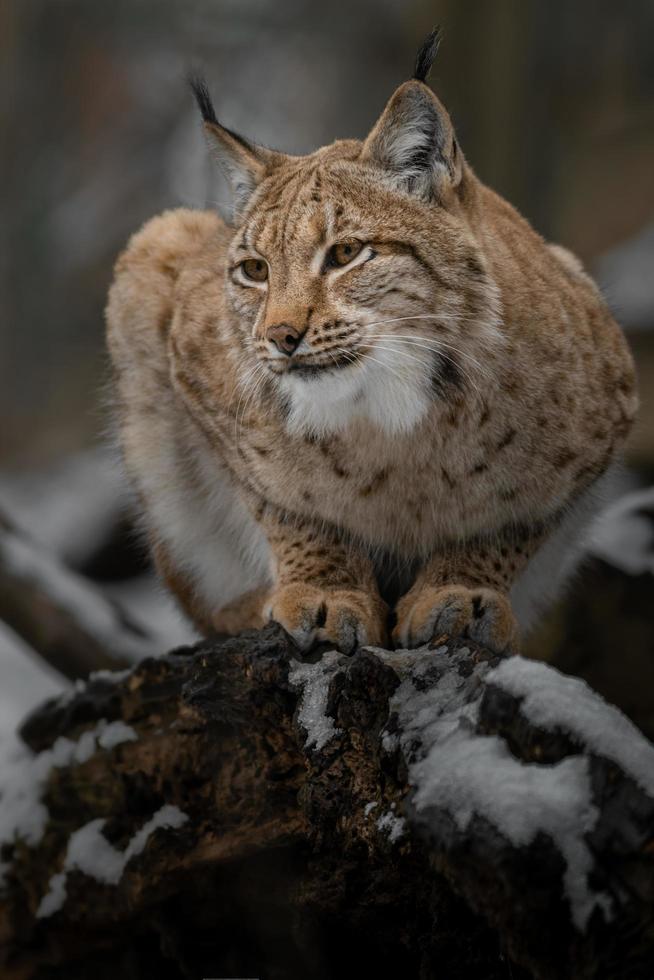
[451,395]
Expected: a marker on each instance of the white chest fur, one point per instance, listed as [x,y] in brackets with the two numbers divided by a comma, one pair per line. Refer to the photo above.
[390,392]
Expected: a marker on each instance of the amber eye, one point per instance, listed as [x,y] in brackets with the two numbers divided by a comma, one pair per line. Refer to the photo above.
[344,252]
[255,269]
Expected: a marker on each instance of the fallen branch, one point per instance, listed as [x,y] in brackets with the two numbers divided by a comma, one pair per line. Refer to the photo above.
[604,624]
[65,620]
[230,811]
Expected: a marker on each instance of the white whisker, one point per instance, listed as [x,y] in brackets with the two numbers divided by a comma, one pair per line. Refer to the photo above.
[402,353]
[420,316]
[436,345]
[255,380]
[375,360]
[437,349]
[448,321]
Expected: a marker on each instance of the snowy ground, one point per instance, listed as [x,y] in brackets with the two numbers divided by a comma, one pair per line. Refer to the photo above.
[68,509]
[25,681]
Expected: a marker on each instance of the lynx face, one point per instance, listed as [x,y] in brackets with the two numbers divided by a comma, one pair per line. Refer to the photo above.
[344,294]
[353,279]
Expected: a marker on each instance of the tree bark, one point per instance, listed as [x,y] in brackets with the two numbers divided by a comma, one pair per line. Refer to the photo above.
[268,817]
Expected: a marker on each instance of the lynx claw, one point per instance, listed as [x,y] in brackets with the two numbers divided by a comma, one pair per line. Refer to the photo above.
[345,617]
[452,611]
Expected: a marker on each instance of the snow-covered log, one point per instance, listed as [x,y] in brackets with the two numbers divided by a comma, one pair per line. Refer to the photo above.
[60,614]
[231,810]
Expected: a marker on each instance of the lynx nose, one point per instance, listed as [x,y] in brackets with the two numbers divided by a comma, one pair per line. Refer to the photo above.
[285,337]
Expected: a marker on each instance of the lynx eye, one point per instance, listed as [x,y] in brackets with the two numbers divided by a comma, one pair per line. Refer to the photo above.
[343,252]
[255,269]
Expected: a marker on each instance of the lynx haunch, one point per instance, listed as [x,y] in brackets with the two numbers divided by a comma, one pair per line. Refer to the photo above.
[377,385]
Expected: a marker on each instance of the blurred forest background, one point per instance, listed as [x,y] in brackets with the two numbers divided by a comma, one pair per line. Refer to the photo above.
[554,107]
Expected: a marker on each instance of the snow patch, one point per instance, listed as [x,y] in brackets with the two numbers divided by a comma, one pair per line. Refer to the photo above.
[314,679]
[455,770]
[24,777]
[25,680]
[115,733]
[552,701]
[114,676]
[470,776]
[91,853]
[394,826]
[80,685]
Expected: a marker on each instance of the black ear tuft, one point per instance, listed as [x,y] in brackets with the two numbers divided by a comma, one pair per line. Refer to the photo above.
[426,54]
[203,98]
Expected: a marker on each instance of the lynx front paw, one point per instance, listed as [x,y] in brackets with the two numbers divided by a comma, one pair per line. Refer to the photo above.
[451,611]
[345,617]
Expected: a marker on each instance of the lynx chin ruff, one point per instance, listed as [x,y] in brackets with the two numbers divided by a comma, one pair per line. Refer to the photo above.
[375,386]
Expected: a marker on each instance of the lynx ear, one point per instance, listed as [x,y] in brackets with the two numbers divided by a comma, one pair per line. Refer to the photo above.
[413,140]
[243,164]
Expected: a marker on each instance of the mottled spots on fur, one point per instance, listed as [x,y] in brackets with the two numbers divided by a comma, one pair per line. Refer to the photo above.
[507,438]
[378,480]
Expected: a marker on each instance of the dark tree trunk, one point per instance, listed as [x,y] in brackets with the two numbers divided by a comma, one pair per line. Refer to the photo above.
[302,827]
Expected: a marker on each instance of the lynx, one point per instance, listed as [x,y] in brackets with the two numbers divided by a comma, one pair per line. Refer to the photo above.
[375,398]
